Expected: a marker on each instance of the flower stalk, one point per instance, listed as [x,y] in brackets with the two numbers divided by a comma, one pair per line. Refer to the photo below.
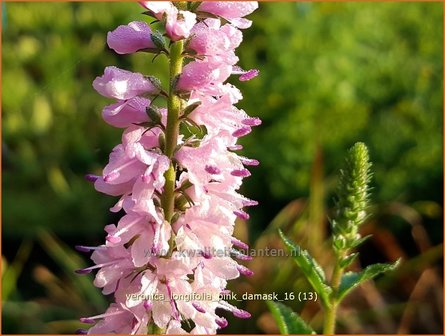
[172,129]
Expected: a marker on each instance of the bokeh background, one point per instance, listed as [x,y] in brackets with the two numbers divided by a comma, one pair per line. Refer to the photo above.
[331,74]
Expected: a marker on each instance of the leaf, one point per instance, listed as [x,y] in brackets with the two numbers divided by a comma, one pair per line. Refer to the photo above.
[311,269]
[192,6]
[154,115]
[351,280]
[189,129]
[12,272]
[189,109]
[158,40]
[288,321]
[348,260]
[69,260]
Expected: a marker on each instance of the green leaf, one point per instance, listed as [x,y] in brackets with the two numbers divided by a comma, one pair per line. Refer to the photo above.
[191,129]
[158,40]
[192,6]
[311,269]
[348,260]
[154,115]
[351,280]
[189,109]
[288,321]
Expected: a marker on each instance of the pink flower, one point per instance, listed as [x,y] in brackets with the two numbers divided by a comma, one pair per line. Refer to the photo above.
[212,40]
[179,24]
[118,319]
[200,74]
[123,84]
[113,263]
[126,112]
[219,114]
[232,11]
[130,38]
[133,160]
[158,8]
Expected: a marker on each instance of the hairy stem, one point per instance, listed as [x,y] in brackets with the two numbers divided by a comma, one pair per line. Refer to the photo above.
[331,312]
[172,129]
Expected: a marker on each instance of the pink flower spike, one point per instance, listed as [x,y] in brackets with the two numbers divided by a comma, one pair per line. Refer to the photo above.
[122,84]
[148,250]
[130,38]
[81,332]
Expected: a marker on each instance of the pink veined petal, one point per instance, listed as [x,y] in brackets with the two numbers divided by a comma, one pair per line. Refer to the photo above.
[158,8]
[125,113]
[179,24]
[113,189]
[123,84]
[162,313]
[229,9]
[224,267]
[141,249]
[196,75]
[130,38]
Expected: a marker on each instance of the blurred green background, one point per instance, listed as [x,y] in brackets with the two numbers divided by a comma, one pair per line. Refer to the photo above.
[331,74]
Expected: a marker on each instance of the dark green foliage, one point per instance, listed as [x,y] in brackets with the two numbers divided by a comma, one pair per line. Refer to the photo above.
[336,73]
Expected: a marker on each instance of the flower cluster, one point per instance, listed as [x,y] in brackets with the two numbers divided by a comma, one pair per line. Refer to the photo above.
[176,172]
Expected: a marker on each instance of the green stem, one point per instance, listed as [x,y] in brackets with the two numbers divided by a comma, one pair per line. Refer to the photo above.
[331,312]
[172,129]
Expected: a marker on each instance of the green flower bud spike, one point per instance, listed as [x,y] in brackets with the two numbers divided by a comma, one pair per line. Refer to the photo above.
[351,200]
